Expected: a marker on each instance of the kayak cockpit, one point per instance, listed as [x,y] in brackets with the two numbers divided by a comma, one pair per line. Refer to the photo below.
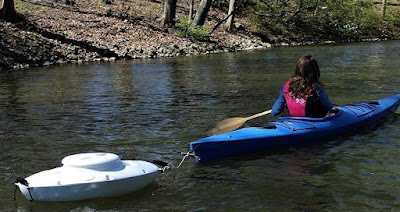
[333,114]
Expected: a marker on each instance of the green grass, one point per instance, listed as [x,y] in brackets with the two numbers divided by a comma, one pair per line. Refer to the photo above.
[28,6]
[184,28]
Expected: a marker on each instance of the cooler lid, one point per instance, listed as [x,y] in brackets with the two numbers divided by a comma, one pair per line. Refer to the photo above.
[90,159]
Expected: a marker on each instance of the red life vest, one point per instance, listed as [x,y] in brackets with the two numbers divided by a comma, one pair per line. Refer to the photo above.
[296,106]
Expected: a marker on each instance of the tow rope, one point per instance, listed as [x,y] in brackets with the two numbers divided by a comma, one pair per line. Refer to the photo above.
[163,164]
[189,154]
[186,155]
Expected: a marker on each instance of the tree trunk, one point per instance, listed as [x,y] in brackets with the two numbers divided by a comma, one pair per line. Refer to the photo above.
[191,10]
[7,11]
[384,9]
[168,18]
[229,22]
[201,13]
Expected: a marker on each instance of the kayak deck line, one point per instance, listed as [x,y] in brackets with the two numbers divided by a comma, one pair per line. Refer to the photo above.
[288,123]
[361,106]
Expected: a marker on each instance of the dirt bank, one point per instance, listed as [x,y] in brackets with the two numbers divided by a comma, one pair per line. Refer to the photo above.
[53,32]
[49,32]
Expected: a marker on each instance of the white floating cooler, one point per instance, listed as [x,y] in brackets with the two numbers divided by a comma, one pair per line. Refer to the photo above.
[87,176]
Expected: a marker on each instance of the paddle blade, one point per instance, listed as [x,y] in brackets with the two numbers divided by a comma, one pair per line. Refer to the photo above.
[225,126]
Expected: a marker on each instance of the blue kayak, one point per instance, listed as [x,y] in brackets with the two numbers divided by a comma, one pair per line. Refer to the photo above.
[289,131]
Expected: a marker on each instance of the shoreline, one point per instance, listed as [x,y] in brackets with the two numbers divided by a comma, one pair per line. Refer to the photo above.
[163,50]
[49,33]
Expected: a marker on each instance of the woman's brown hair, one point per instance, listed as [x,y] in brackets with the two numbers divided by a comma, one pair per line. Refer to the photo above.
[306,77]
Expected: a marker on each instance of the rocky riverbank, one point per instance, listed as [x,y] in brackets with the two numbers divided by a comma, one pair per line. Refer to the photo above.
[50,32]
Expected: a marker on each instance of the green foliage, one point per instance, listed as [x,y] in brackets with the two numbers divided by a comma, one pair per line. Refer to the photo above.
[28,6]
[392,20]
[184,28]
[349,19]
[328,19]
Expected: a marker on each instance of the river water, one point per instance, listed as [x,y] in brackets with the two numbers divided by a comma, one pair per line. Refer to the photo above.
[153,109]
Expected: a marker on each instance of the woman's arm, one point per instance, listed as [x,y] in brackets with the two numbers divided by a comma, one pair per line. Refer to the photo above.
[324,99]
[279,104]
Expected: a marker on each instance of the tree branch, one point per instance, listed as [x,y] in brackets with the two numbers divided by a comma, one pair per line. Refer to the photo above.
[222,21]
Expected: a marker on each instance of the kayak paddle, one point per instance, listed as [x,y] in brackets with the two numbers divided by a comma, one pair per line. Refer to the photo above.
[231,124]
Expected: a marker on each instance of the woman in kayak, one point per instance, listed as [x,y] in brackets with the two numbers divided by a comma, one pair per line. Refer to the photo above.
[303,93]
